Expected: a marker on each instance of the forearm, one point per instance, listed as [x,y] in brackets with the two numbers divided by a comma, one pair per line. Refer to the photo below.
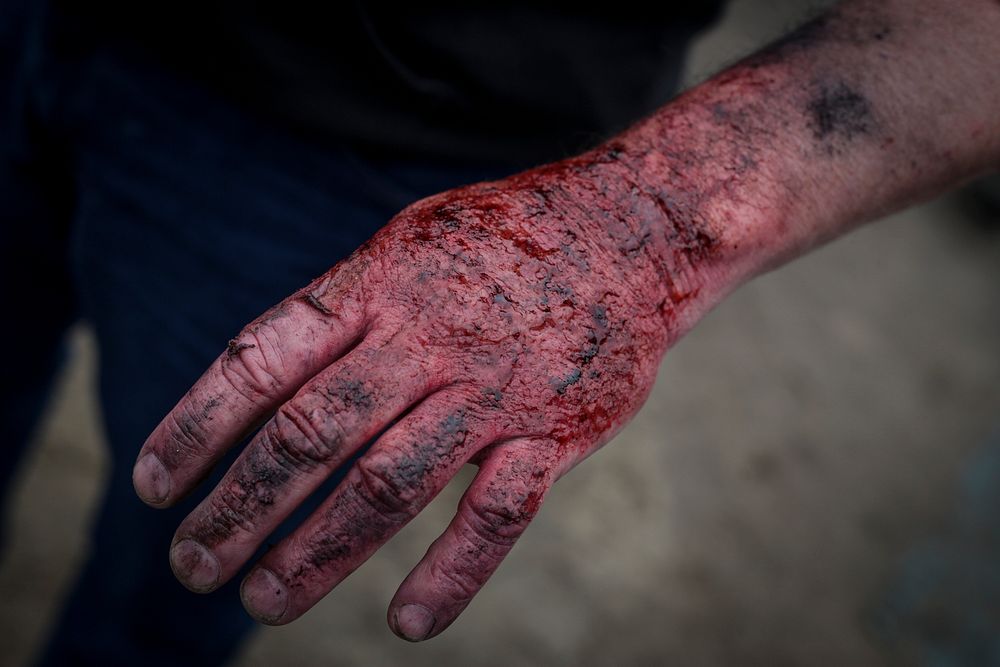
[874,106]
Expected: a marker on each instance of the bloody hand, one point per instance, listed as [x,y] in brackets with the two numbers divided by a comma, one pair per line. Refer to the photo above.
[516,325]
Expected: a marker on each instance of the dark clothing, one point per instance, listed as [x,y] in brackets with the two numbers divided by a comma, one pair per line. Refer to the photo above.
[522,82]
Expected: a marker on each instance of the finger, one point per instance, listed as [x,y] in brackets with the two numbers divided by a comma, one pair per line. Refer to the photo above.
[499,504]
[310,436]
[261,368]
[385,488]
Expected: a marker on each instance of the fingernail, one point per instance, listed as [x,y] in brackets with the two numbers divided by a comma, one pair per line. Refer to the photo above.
[264,596]
[151,480]
[195,566]
[414,622]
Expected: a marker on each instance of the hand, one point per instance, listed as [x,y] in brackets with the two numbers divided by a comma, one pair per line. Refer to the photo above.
[516,325]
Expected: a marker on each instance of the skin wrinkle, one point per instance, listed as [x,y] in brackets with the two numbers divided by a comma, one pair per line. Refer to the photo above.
[251,379]
[190,430]
[235,347]
[292,436]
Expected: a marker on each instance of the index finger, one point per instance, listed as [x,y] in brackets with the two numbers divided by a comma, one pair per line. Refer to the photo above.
[260,369]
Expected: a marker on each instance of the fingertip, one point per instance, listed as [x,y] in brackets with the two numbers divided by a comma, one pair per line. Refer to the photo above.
[412,622]
[195,566]
[264,597]
[151,481]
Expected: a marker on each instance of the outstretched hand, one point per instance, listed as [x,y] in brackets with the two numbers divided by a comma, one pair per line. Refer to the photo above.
[515,325]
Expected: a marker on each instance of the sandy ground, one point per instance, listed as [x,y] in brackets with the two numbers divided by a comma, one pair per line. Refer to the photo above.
[800,442]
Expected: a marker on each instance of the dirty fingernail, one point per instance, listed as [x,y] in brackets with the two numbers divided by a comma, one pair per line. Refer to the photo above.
[264,596]
[151,480]
[414,622]
[194,566]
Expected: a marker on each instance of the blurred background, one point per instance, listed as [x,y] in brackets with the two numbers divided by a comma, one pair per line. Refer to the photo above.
[814,481]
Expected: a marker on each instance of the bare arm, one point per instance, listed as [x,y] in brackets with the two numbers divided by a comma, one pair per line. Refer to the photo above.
[869,108]
[519,324]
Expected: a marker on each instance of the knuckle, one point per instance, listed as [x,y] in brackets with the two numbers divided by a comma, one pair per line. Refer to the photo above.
[283,444]
[390,492]
[300,440]
[497,520]
[459,584]
[251,366]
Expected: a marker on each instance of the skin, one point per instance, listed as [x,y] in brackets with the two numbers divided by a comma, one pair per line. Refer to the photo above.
[518,324]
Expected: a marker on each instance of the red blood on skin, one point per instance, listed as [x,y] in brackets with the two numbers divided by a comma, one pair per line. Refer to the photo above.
[517,324]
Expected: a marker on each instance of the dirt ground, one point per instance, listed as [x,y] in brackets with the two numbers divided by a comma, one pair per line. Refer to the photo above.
[800,444]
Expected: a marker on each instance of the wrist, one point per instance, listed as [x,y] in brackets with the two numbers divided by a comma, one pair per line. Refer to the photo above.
[703,209]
